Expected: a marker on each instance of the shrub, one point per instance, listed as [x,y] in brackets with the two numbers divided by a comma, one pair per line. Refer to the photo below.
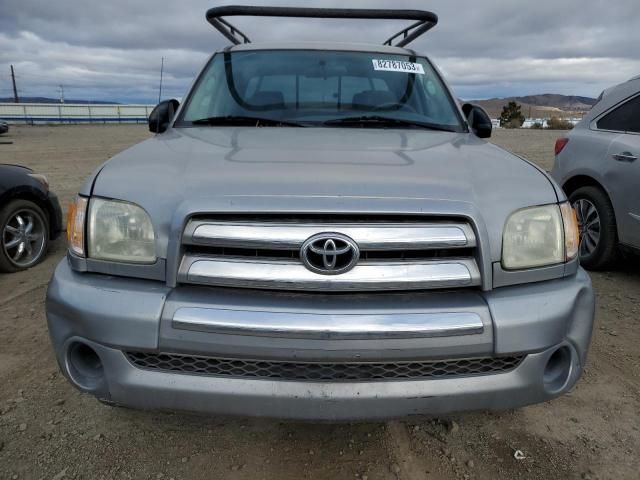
[556,123]
[511,116]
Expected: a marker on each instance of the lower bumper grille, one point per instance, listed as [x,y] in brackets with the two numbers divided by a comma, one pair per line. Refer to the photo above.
[328,372]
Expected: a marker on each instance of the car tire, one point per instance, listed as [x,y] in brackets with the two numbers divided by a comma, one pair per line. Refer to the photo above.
[22,223]
[598,243]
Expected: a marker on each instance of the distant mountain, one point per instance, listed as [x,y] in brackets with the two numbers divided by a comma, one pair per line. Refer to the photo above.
[55,100]
[564,102]
[544,105]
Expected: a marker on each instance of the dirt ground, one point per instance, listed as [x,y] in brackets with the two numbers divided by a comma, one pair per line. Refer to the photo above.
[48,430]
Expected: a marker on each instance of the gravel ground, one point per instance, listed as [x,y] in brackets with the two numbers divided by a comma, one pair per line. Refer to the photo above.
[49,430]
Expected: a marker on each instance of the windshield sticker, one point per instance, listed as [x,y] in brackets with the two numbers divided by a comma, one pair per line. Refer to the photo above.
[397,66]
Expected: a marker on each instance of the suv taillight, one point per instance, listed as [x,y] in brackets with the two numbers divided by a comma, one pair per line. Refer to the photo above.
[560,144]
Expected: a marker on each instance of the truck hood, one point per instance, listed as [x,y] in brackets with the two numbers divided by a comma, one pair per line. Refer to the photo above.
[322,170]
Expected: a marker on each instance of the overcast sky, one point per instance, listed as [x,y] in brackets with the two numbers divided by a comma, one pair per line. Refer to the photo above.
[111,50]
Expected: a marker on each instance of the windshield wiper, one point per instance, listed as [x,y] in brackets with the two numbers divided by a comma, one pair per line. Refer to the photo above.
[386,121]
[243,120]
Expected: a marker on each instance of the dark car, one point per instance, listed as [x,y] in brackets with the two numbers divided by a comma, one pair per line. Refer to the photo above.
[4,127]
[30,217]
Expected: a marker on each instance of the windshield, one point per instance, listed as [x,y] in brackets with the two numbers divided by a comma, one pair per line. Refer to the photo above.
[320,88]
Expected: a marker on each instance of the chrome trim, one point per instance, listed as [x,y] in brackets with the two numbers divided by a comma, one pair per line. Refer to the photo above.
[365,276]
[368,236]
[327,326]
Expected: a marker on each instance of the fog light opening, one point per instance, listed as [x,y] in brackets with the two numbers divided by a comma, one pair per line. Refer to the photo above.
[84,366]
[557,370]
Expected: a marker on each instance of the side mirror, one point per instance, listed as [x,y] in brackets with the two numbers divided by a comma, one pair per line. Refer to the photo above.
[478,120]
[161,116]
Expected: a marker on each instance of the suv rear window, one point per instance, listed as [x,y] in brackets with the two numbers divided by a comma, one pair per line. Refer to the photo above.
[625,118]
[314,86]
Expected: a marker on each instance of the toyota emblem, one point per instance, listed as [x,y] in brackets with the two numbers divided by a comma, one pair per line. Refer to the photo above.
[329,253]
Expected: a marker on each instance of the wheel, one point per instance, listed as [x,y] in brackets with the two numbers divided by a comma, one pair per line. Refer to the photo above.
[24,235]
[598,232]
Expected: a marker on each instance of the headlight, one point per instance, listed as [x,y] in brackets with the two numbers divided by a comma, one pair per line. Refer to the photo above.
[534,237]
[120,231]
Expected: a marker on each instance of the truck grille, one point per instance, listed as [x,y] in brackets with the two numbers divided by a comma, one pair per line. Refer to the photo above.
[274,253]
[327,372]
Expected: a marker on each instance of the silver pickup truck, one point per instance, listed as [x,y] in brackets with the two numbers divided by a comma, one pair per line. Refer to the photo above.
[320,231]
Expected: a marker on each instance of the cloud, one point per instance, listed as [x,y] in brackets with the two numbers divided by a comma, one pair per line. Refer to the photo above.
[129,75]
[112,50]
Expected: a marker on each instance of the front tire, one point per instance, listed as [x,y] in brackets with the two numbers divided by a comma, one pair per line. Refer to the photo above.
[24,235]
[598,231]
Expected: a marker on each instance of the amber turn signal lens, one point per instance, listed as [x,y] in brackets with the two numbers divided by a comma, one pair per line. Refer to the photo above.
[571,231]
[76,217]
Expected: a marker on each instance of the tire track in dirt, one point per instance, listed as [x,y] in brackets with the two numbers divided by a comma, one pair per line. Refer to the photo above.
[411,466]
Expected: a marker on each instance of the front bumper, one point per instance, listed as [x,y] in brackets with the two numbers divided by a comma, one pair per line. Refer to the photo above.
[112,315]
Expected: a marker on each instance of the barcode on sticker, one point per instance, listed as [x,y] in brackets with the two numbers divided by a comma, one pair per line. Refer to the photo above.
[397,66]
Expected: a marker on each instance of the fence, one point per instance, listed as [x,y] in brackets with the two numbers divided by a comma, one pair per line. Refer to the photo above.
[544,122]
[42,113]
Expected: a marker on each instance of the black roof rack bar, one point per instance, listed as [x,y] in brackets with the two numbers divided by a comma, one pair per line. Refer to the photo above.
[419,28]
[229,31]
[424,20]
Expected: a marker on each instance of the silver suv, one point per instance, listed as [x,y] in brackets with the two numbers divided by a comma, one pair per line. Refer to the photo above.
[597,164]
[320,232]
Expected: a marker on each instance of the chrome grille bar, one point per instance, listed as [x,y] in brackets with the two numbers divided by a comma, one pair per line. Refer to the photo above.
[329,325]
[368,236]
[366,276]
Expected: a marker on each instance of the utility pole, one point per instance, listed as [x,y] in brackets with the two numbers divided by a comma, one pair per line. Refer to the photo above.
[61,88]
[161,71]
[15,89]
